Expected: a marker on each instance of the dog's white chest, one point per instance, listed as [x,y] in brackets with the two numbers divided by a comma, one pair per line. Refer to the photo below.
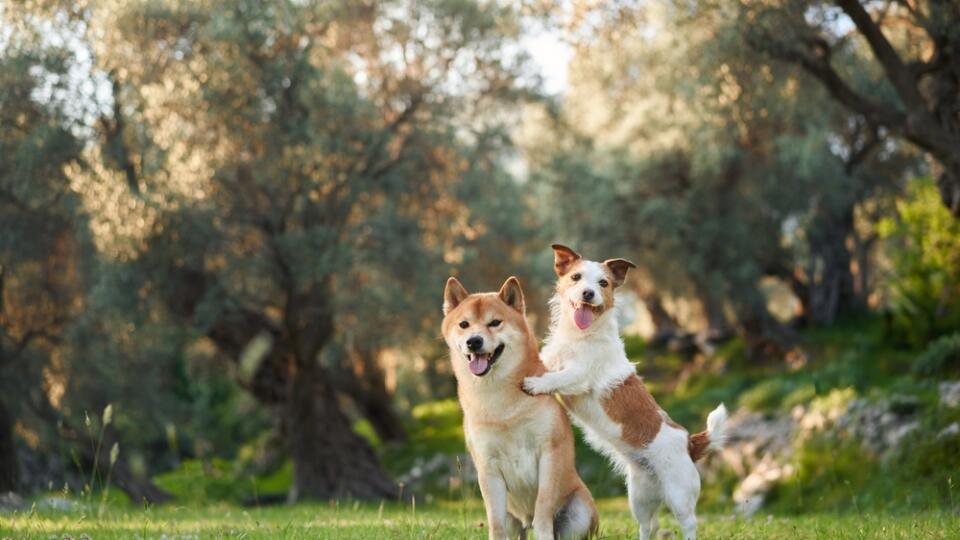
[601,432]
[519,466]
[515,454]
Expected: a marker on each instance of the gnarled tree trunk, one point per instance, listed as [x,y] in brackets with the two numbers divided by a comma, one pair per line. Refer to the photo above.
[139,489]
[830,285]
[371,395]
[766,337]
[663,322]
[329,459]
[949,184]
[9,464]
[713,310]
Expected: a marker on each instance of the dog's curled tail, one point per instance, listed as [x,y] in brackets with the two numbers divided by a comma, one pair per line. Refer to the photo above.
[713,438]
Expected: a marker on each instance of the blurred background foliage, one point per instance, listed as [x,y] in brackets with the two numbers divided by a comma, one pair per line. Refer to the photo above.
[231,222]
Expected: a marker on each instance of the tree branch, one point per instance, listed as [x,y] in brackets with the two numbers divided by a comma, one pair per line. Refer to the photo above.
[117,148]
[3,282]
[819,66]
[858,155]
[900,76]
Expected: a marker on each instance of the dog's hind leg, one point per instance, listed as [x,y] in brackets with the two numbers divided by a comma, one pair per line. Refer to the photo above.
[644,494]
[681,493]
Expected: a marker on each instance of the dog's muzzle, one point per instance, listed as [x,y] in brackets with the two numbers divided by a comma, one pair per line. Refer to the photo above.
[584,312]
[480,363]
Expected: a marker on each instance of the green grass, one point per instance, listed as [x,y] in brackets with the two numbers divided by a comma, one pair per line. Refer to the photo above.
[351,520]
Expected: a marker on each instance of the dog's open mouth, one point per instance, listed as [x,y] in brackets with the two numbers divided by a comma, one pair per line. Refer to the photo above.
[480,363]
[583,314]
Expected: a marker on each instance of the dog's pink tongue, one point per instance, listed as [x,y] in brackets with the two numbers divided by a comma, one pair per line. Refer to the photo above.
[583,316]
[478,364]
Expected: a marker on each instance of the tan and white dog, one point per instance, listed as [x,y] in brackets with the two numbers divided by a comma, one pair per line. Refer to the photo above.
[590,370]
[522,445]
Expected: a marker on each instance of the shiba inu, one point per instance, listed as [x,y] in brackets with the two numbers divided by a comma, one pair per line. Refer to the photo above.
[522,445]
[589,368]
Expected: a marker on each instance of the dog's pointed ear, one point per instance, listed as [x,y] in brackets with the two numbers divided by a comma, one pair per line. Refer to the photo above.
[563,258]
[453,294]
[512,294]
[619,268]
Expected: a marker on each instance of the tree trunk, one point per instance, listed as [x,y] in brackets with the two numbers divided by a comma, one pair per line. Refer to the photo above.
[831,287]
[713,310]
[9,464]
[140,490]
[663,322]
[438,372]
[830,284]
[137,488]
[329,459]
[949,184]
[863,276]
[372,397]
[765,337]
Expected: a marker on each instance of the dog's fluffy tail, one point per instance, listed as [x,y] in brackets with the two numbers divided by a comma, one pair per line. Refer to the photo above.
[713,438]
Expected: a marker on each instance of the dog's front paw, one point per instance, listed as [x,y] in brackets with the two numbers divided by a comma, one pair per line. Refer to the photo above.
[535,385]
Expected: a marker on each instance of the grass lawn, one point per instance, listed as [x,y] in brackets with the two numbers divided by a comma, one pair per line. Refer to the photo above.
[438,520]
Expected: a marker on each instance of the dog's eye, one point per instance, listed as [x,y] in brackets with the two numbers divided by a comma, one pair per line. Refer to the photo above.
[494,323]
[604,283]
[464,324]
[575,277]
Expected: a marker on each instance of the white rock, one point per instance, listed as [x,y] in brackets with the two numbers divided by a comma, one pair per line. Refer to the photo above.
[59,503]
[949,431]
[10,501]
[895,435]
[750,506]
[750,494]
[950,393]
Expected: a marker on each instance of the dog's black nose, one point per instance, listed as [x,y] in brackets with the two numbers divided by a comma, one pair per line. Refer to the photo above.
[588,295]
[474,343]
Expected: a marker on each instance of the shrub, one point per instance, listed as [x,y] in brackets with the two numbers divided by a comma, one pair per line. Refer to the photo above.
[799,396]
[940,357]
[766,396]
[830,475]
[925,283]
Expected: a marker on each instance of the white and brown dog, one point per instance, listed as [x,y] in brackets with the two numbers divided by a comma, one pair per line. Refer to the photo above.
[590,370]
[522,445]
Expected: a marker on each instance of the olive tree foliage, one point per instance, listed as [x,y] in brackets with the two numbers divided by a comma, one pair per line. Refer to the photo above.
[270,184]
[912,46]
[709,165]
[67,335]
[298,164]
[38,275]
